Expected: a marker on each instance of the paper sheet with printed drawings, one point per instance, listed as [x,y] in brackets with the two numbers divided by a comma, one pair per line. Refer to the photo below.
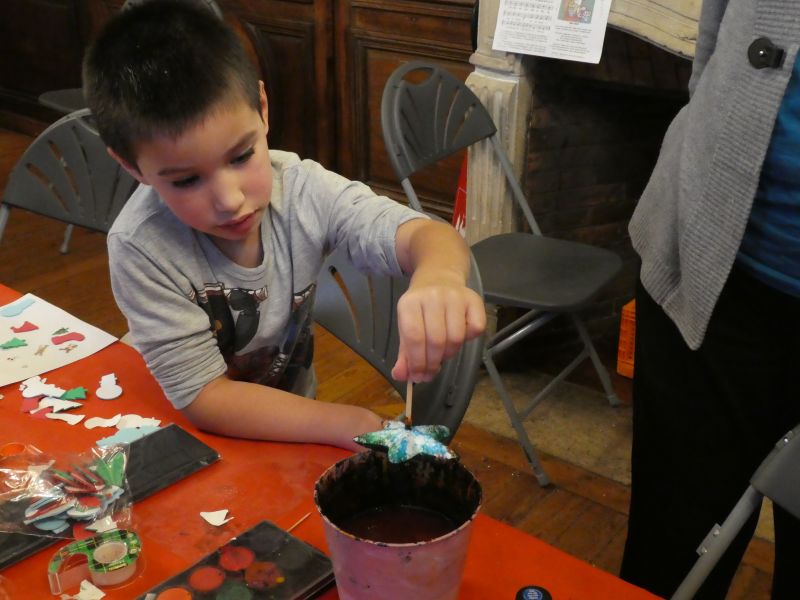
[37,337]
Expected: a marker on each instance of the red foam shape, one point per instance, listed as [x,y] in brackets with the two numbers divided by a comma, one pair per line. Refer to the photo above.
[90,501]
[25,327]
[72,336]
[29,404]
[40,414]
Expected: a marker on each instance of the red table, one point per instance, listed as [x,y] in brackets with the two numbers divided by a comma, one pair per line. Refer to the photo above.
[254,481]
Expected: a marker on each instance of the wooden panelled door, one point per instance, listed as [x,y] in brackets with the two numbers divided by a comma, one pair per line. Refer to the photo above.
[294,42]
[373,38]
[325,63]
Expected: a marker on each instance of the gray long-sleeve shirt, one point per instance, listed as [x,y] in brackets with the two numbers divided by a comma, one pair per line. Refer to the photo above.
[194,314]
[692,215]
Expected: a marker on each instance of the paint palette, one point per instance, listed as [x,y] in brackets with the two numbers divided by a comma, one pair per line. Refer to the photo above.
[265,562]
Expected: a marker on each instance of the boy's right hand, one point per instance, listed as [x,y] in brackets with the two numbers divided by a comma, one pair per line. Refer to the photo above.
[435,317]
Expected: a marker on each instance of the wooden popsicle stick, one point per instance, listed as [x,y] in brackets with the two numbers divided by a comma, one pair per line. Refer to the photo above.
[409,395]
[299,521]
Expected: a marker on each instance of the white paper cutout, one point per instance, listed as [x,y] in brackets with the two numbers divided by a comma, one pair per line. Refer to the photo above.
[131,421]
[57,404]
[38,386]
[70,418]
[101,422]
[108,390]
[216,517]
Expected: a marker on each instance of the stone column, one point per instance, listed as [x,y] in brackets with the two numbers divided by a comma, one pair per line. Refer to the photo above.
[502,82]
[505,88]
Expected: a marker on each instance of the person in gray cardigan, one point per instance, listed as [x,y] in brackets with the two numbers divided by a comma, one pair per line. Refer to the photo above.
[718,301]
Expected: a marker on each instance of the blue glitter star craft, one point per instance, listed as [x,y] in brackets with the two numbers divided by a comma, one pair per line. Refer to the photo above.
[402,443]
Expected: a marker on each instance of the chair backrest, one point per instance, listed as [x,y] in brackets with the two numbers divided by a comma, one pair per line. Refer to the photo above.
[778,477]
[361,311]
[428,114]
[66,174]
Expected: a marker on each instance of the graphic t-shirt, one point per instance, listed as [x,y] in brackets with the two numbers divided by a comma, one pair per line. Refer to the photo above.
[194,314]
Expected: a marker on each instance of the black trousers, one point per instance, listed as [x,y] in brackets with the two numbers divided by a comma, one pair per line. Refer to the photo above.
[702,423]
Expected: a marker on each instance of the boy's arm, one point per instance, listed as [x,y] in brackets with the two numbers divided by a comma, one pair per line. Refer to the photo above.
[439,312]
[249,410]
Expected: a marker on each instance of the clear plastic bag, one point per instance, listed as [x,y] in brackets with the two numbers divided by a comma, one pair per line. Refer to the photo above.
[57,496]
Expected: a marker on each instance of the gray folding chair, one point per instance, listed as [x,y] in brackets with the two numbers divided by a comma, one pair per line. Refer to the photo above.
[777,478]
[66,174]
[428,114]
[361,311]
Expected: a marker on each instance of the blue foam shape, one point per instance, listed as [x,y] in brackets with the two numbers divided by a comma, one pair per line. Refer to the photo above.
[107,500]
[126,436]
[16,309]
[56,525]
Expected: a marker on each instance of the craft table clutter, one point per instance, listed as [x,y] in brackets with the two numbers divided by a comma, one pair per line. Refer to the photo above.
[253,481]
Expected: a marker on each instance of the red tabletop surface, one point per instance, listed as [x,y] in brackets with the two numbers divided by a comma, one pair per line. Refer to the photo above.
[254,481]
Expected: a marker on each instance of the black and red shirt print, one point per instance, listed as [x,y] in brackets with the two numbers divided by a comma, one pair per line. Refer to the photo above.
[234,315]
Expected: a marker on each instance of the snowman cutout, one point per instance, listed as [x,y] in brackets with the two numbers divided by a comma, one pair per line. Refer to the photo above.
[108,390]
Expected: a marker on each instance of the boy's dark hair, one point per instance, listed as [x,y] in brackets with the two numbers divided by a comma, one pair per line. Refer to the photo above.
[159,67]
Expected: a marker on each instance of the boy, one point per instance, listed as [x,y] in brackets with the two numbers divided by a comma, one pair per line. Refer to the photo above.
[214,257]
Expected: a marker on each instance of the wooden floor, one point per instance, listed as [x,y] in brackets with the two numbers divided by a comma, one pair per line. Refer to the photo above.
[581,513]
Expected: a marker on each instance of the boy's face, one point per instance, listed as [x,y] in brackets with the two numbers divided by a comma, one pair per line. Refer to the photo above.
[216,176]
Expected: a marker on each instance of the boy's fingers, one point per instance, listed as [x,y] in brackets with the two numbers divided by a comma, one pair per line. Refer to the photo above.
[436,334]
[411,324]
[456,331]
[476,318]
[433,331]
[400,369]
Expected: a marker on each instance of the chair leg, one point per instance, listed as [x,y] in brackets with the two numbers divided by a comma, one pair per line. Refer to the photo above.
[5,210]
[599,367]
[516,423]
[67,237]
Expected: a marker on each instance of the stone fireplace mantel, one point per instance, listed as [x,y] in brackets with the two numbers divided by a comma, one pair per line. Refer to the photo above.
[505,85]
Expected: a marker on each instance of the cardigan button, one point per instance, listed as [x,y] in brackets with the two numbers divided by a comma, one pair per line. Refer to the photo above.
[763,54]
